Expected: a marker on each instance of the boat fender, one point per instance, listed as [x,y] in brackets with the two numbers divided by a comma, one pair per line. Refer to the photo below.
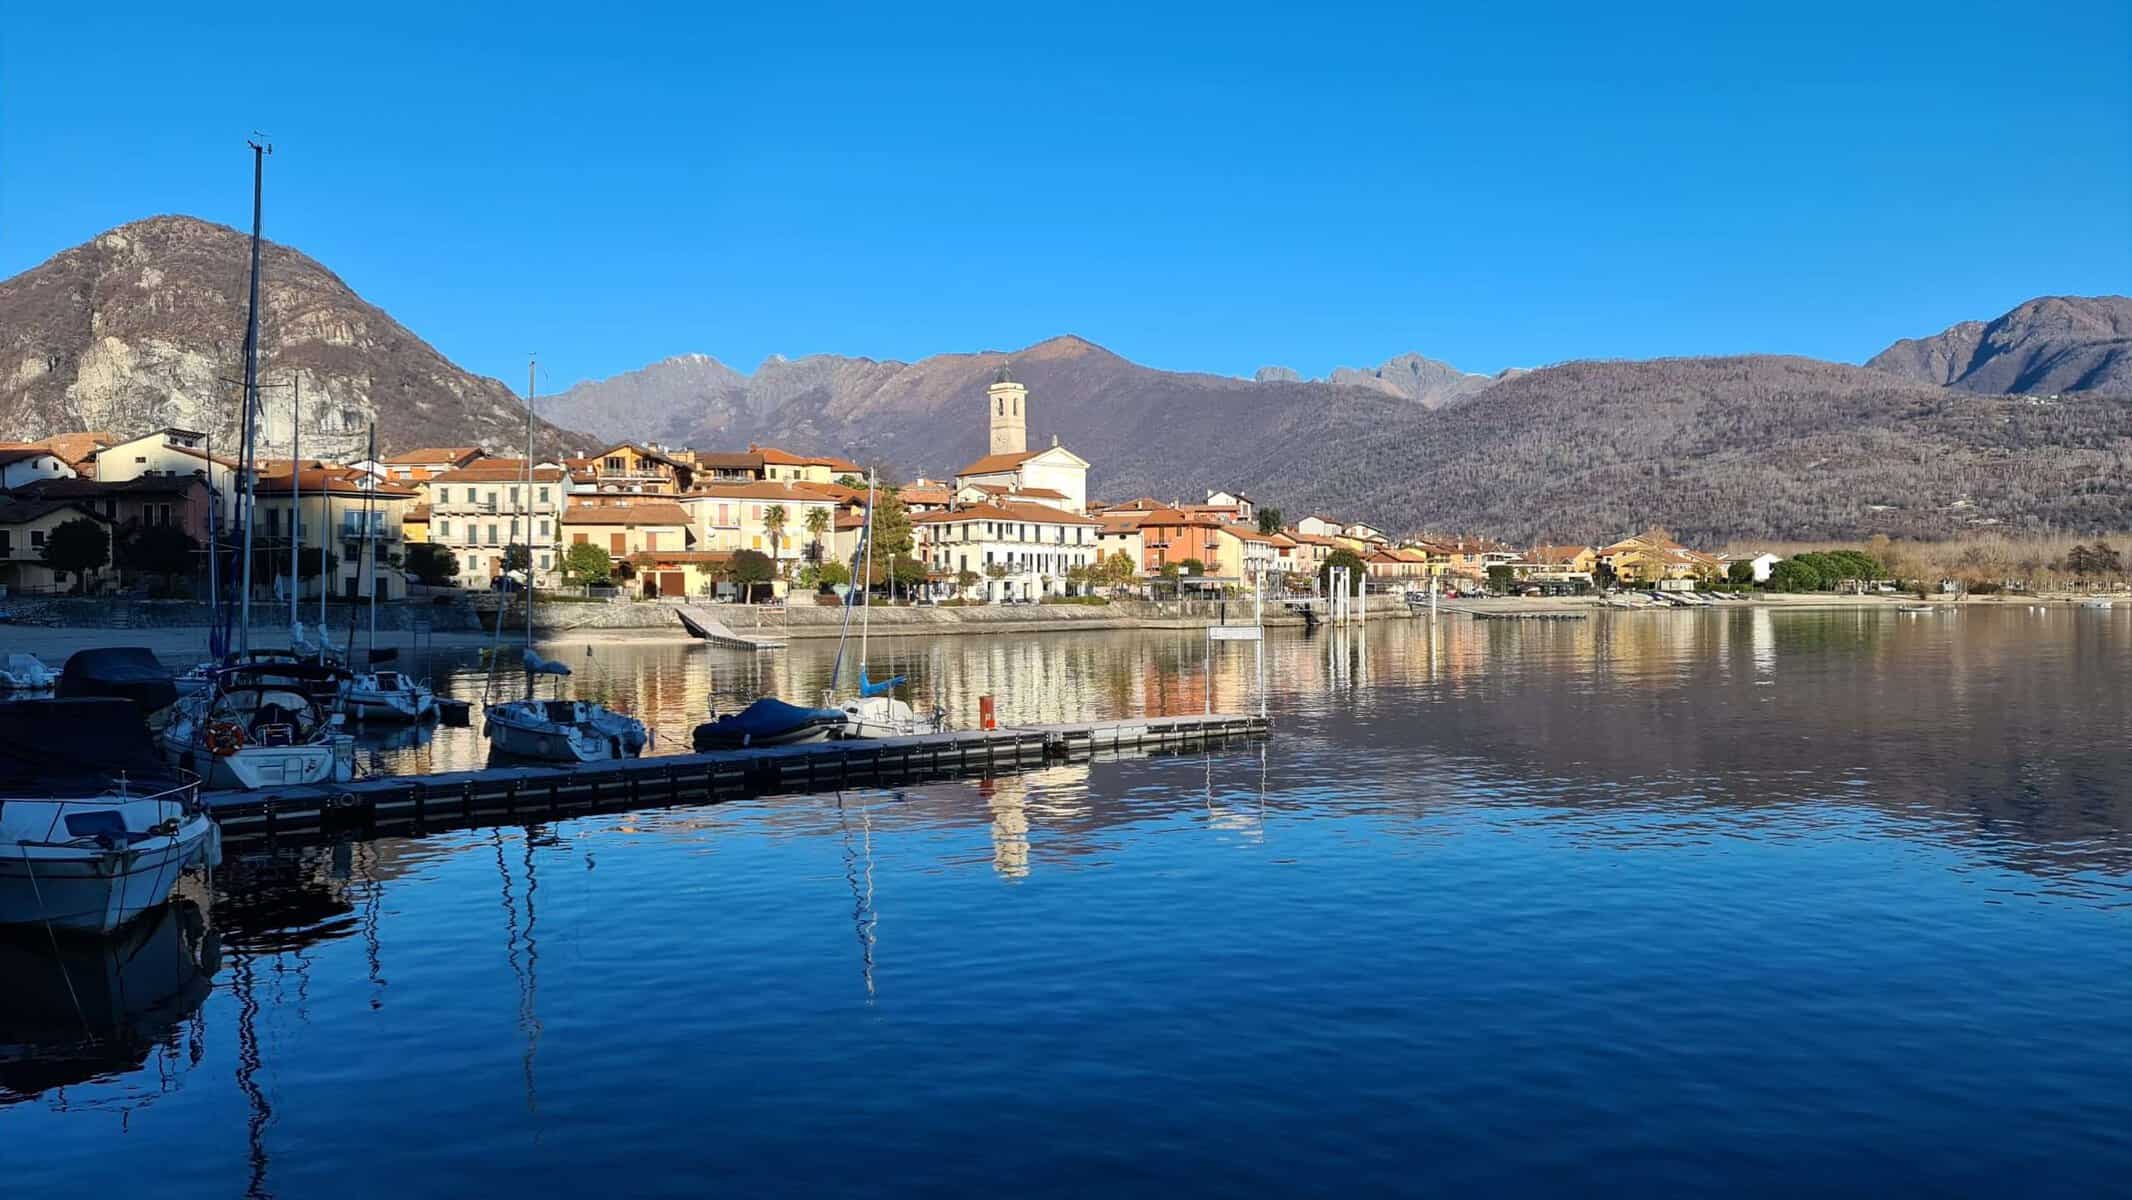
[224,738]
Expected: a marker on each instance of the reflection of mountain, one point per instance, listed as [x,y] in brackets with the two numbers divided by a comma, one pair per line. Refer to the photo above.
[86,1009]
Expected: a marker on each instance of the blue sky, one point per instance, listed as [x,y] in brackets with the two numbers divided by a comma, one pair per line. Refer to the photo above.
[1210,188]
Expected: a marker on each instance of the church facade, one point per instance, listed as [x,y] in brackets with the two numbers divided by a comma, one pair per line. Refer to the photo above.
[1010,471]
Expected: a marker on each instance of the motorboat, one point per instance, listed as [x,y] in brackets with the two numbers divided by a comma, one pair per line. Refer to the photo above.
[1917,609]
[2097,602]
[26,673]
[770,722]
[94,827]
[130,673]
[566,731]
[387,696]
[257,727]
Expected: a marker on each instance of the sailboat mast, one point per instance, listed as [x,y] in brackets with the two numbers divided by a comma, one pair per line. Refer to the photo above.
[866,600]
[370,548]
[248,459]
[296,513]
[525,503]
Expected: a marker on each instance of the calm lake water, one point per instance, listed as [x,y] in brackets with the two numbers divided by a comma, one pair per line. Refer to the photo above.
[1741,902]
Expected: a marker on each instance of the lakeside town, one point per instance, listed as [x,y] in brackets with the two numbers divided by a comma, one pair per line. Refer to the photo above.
[94,513]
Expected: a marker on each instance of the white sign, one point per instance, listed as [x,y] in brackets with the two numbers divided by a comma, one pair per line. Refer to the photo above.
[1233,633]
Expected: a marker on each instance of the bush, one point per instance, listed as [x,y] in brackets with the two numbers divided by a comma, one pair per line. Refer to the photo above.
[1075,600]
[1985,587]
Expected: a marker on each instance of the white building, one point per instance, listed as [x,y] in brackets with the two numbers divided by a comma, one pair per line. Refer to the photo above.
[1017,549]
[1053,475]
[25,466]
[478,512]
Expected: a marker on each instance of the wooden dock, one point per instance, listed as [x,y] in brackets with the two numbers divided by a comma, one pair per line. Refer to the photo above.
[533,792]
[702,624]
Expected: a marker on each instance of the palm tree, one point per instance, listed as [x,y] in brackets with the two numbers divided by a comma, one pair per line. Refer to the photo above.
[817,523]
[773,520]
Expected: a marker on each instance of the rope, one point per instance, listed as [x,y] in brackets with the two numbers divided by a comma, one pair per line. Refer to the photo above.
[53,938]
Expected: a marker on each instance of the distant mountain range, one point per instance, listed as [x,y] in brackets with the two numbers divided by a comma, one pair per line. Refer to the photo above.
[140,326]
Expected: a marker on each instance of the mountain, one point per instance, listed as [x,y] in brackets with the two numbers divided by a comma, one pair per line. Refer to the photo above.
[1425,381]
[1724,448]
[2049,346]
[142,326]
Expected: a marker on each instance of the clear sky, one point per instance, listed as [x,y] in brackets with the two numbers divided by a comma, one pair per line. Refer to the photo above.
[1211,188]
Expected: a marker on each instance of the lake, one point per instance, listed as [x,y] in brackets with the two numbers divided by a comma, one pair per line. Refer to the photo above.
[1745,901]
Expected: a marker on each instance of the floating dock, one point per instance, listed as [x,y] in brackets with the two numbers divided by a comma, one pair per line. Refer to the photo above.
[535,791]
[1526,616]
[700,623]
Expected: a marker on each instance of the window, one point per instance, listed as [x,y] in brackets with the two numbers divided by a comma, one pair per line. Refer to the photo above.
[5,547]
[543,528]
[444,530]
[544,557]
[492,533]
[36,537]
[544,495]
[444,495]
[140,458]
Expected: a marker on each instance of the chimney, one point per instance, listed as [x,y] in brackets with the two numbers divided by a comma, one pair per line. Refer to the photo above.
[1054,439]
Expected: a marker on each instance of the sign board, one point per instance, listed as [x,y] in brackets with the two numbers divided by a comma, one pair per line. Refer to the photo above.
[1233,633]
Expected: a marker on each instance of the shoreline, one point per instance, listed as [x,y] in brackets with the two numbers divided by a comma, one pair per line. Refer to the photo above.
[184,645]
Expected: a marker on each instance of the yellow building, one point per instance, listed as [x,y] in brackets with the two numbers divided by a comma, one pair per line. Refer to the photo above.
[338,505]
[624,528]
[778,519]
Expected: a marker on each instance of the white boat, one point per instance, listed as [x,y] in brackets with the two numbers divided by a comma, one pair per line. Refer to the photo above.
[562,731]
[875,712]
[26,673]
[94,830]
[256,729]
[1917,610]
[886,716]
[387,696]
[2098,602]
[565,731]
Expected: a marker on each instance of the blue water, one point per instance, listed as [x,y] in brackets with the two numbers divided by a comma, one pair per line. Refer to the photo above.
[1741,902]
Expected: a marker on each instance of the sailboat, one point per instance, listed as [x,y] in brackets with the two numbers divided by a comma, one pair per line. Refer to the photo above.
[875,712]
[372,694]
[569,731]
[263,721]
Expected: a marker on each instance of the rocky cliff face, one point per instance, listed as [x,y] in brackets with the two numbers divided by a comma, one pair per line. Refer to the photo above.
[143,327]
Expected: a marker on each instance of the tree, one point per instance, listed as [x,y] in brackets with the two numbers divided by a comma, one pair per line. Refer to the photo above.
[746,569]
[1192,566]
[853,482]
[78,547]
[314,561]
[817,523]
[1740,573]
[773,523]
[829,574]
[1343,557]
[1269,520]
[517,557]
[587,564]
[1117,570]
[433,564]
[892,530]
[2106,559]
[1794,575]
[1501,577]
[164,550]
[966,579]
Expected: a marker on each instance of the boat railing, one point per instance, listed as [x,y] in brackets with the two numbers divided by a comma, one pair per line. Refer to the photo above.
[185,795]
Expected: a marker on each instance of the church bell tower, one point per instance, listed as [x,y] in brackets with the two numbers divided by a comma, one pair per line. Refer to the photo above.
[1006,404]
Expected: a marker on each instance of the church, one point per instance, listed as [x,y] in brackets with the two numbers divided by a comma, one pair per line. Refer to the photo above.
[1053,476]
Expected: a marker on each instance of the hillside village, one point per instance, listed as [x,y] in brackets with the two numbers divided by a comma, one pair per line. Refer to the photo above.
[1013,526]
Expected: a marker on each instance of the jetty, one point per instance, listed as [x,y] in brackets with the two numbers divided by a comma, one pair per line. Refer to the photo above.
[540,791]
[700,623]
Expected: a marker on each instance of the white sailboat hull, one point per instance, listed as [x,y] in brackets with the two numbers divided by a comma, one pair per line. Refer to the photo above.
[89,889]
[371,704]
[523,729]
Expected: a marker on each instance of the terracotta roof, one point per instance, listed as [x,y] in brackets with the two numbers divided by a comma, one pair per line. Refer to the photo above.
[416,515]
[656,513]
[995,510]
[764,489]
[336,481]
[925,494]
[728,460]
[1313,539]
[1248,533]
[79,487]
[73,447]
[22,512]
[1555,554]
[1000,489]
[785,458]
[1121,522]
[993,464]
[432,456]
[649,558]
[499,470]
[202,455]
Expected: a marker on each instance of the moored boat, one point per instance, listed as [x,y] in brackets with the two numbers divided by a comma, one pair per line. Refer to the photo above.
[769,722]
[387,696]
[94,827]
[26,673]
[562,731]
[257,727]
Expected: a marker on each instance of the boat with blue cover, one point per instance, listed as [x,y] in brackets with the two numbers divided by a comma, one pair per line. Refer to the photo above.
[769,722]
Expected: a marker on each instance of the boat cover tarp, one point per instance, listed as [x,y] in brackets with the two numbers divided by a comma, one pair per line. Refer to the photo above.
[126,672]
[766,720]
[77,747]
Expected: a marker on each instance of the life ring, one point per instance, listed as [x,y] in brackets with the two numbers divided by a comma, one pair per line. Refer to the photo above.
[224,738]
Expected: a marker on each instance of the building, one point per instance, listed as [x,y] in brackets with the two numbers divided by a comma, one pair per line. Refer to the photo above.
[630,469]
[77,450]
[1118,532]
[1243,507]
[25,525]
[778,519]
[783,466]
[1319,526]
[26,465]
[425,464]
[1016,549]
[1544,564]
[926,495]
[628,528]
[355,514]
[173,452]
[479,511]
[154,500]
[1653,557]
[1761,564]
[1011,465]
